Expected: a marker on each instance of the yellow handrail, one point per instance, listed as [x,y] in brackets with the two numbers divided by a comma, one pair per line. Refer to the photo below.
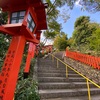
[57,63]
[87,79]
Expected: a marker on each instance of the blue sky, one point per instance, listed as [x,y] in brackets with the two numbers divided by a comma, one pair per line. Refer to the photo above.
[68,27]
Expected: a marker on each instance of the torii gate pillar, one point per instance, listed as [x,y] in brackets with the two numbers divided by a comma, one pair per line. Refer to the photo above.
[11,67]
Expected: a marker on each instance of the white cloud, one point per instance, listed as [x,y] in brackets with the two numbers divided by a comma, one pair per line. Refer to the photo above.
[42,37]
[48,42]
[77,3]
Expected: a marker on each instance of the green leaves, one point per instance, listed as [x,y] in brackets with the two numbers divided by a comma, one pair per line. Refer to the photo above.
[53,15]
[61,41]
[83,30]
[95,41]
[81,21]
[54,26]
[3,17]
[90,5]
[50,35]
[4,44]
[4,39]
[26,90]
[86,36]
[54,29]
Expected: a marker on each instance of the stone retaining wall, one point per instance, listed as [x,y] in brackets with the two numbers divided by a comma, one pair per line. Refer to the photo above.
[88,71]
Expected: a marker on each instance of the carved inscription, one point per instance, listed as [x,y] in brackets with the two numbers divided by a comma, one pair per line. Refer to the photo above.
[4,75]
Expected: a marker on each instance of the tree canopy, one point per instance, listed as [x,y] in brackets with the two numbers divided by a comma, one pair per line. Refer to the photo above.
[85,36]
[95,41]
[54,27]
[82,30]
[89,5]
[61,41]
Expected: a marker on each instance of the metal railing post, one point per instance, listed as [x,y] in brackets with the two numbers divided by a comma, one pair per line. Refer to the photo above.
[57,63]
[66,71]
[52,58]
[89,96]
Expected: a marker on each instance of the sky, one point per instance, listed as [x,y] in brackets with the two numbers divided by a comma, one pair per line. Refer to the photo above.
[76,12]
[68,27]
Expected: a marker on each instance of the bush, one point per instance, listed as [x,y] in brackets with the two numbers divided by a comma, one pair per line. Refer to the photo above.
[27,88]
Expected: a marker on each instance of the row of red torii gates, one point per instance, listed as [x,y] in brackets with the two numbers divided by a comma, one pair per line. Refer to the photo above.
[26,19]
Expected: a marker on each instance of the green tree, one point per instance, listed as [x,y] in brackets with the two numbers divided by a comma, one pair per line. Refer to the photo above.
[80,33]
[90,5]
[3,17]
[54,27]
[83,30]
[95,41]
[61,41]
[71,42]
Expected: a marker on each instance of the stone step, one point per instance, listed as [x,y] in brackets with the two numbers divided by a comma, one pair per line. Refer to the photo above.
[45,94]
[53,84]
[46,62]
[60,79]
[51,75]
[57,75]
[93,97]
[50,71]
[47,65]
[64,85]
[54,71]
[53,68]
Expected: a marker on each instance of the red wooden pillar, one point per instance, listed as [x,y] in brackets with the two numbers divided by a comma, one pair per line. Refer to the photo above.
[30,55]
[11,67]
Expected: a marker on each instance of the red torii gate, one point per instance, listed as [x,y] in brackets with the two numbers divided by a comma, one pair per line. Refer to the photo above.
[26,19]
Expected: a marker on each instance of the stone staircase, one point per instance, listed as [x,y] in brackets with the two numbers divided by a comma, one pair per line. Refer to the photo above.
[53,84]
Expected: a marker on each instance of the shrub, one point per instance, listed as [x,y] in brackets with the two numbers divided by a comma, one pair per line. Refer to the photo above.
[27,88]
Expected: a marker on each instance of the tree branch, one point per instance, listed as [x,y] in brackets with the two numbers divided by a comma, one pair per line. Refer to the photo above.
[51,8]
